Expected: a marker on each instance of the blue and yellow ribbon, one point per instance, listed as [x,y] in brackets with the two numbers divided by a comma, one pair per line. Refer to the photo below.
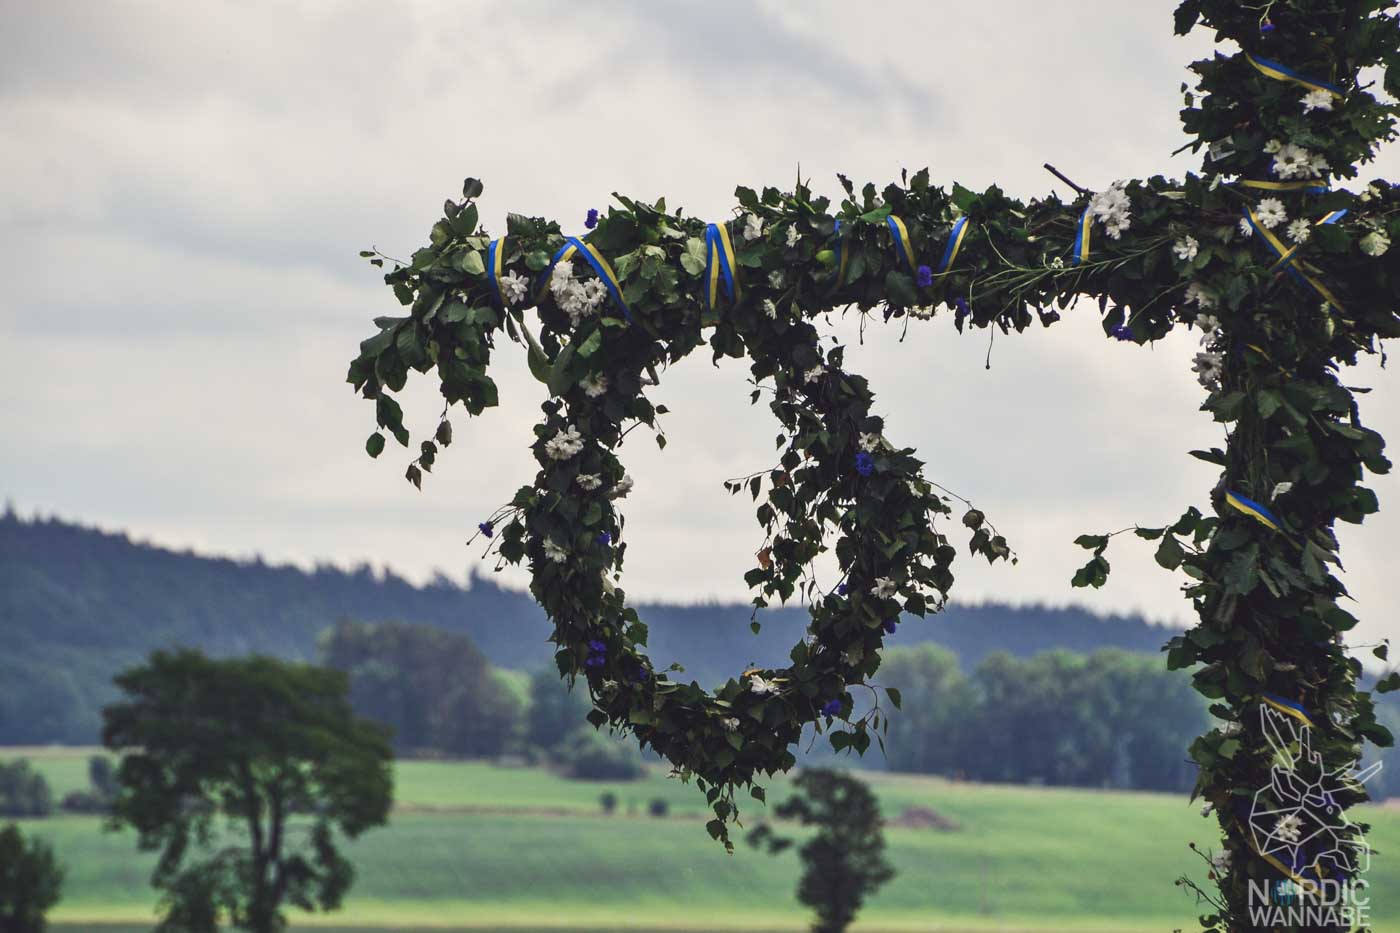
[1081,239]
[955,239]
[493,269]
[720,261]
[1288,708]
[1285,255]
[901,240]
[1310,187]
[1286,260]
[1254,510]
[1279,72]
[843,256]
[590,254]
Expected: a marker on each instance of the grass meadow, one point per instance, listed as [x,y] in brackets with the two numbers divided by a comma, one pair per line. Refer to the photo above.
[474,846]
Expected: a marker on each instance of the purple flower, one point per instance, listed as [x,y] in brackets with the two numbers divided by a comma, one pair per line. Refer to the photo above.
[831,708]
[865,464]
[486,528]
[1122,332]
[841,590]
[963,310]
[597,647]
[1266,27]
[890,625]
[925,277]
[595,660]
[604,538]
[592,219]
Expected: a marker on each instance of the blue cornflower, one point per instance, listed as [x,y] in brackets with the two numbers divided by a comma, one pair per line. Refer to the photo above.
[865,464]
[604,538]
[925,277]
[1122,332]
[841,590]
[486,528]
[963,309]
[592,220]
[1266,27]
[597,654]
[890,625]
[831,708]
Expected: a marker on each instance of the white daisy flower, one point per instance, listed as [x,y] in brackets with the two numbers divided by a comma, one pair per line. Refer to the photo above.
[554,552]
[1057,263]
[1112,208]
[770,308]
[1299,230]
[792,235]
[753,226]
[813,374]
[1246,228]
[1289,829]
[730,724]
[623,487]
[514,287]
[922,312]
[884,588]
[1317,165]
[1370,194]
[1207,367]
[760,686]
[561,276]
[1282,489]
[588,481]
[565,444]
[1270,213]
[1375,243]
[1317,99]
[1200,296]
[1186,248]
[594,384]
[1208,323]
[871,442]
[775,278]
[1273,146]
[1221,861]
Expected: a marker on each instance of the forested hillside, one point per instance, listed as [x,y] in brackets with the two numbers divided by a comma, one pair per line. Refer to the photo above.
[78,604]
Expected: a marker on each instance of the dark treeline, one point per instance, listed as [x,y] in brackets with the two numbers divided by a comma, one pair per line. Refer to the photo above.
[77,605]
[1107,719]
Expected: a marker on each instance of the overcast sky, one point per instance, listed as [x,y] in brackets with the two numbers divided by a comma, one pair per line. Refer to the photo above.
[186,187]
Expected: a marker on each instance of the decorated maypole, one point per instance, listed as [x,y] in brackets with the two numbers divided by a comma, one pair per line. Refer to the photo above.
[1274,255]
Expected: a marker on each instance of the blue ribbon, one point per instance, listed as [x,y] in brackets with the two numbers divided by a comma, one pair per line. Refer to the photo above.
[1081,239]
[1288,707]
[1254,510]
[493,269]
[955,239]
[719,262]
[1284,73]
[903,248]
[590,254]
[842,254]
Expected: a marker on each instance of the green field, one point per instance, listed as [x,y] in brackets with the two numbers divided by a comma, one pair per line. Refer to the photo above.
[476,846]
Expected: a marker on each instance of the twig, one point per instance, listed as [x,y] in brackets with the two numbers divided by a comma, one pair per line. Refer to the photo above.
[1057,173]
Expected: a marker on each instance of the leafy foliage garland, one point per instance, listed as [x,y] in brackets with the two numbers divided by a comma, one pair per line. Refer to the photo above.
[1270,622]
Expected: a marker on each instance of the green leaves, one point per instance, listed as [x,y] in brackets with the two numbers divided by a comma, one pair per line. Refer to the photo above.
[375,445]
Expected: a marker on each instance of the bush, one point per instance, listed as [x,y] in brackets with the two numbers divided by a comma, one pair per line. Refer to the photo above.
[23,791]
[589,756]
[658,808]
[30,881]
[83,801]
[608,801]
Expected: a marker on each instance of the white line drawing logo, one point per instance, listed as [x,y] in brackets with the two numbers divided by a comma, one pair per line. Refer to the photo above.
[1296,819]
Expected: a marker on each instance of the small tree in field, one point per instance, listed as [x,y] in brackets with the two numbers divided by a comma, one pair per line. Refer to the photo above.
[845,861]
[30,881]
[244,773]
